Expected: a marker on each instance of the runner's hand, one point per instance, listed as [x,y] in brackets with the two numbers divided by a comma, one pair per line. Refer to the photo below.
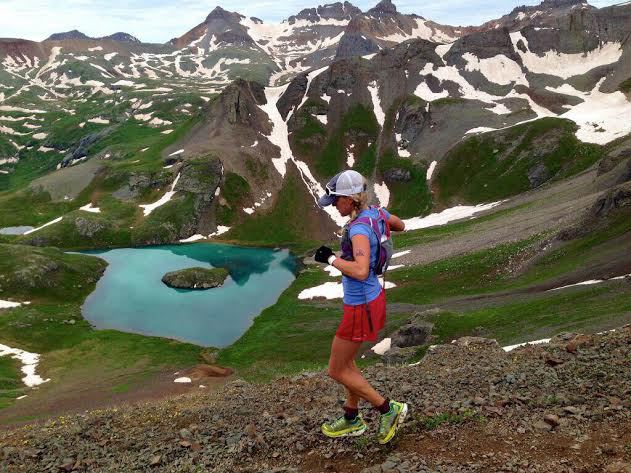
[323,253]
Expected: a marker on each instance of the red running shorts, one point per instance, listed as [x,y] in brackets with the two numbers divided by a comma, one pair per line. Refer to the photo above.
[364,321]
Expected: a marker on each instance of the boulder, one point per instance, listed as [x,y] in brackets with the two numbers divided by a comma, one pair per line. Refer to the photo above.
[88,227]
[538,175]
[397,175]
[398,355]
[415,332]
[195,278]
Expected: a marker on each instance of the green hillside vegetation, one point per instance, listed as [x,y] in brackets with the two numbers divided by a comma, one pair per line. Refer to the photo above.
[358,121]
[123,138]
[30,207]
[495,166]
[411,198]
[284,225]
[10,385]
[625,86]
[237,194]
[72,353]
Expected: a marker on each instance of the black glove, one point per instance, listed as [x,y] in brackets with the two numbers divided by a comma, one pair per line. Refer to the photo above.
[322,254]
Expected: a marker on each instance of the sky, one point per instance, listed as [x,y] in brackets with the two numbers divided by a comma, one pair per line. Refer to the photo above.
[157,21]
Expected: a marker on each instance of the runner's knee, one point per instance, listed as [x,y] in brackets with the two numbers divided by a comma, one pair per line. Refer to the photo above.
[336,372]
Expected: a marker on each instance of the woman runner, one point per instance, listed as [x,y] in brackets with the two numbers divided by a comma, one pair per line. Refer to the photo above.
[364,307]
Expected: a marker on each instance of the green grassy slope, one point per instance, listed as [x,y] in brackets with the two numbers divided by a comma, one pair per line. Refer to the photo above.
[493,166]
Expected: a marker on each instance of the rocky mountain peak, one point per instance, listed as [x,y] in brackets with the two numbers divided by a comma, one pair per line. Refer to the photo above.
[331,11]
[123,37]
[561,3]
[384,7]
[220,14]
[548,5]
[73,34]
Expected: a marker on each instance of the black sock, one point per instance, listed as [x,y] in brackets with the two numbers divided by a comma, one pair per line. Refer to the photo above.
[385,407]
[350,413]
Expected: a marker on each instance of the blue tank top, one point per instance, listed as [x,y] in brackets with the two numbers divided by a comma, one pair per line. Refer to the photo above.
[360,292]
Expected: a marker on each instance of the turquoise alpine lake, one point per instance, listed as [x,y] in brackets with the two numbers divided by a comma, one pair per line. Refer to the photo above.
[131,296]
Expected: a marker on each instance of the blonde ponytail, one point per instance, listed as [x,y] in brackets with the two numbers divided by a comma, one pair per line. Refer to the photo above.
[360,202]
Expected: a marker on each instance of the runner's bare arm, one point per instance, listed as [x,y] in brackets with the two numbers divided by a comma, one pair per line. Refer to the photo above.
[396,224]
[360,268]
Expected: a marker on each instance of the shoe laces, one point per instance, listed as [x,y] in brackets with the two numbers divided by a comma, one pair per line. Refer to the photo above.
[340,422]
[385,420]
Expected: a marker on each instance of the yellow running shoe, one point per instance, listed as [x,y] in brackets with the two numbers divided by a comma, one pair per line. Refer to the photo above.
[343,427]
[390,422]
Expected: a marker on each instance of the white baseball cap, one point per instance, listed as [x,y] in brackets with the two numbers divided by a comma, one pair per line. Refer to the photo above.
[345,183]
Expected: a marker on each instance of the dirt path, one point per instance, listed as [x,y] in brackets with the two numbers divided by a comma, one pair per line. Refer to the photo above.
[80,396]
[550,209]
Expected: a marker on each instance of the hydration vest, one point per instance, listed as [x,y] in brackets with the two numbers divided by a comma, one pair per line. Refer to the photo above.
[385,247]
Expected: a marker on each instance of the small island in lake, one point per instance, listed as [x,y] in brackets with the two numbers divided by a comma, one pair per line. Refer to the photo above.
[195,278]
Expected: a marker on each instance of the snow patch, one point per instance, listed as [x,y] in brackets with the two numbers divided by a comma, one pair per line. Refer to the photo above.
[447,215]
[148,208]
[600,115]
[401,253]
[498,69]
[383,194]
[330,290]
[535,342]
[9,304]
[566,65]
[220,230]
[89,208]
[29,364]
[430,170]
[383,346]
[590,282]
[99,120]
[376,104]
[57,220]
[193,238]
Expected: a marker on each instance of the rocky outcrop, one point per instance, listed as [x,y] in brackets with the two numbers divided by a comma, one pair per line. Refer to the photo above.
[609,204]
[239,103]
[81,149]
[354,42]
[138,182]
[45,271]
[201,177]
[195,278]
[333,11]
[383,9]
[413,333]
[293,95]
[88,227]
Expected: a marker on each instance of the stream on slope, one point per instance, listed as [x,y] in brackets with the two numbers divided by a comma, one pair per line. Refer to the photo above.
[131,296]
